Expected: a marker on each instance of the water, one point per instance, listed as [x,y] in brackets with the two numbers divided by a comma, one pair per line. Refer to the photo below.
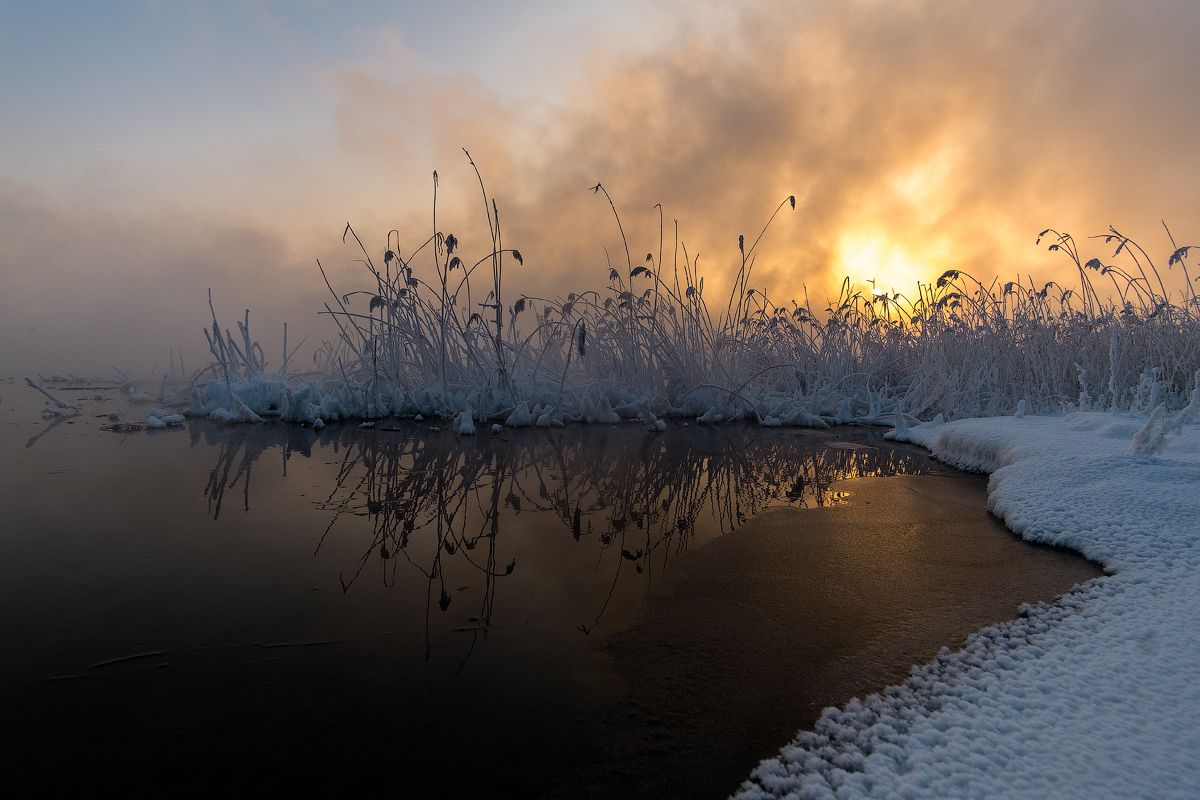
[409,612]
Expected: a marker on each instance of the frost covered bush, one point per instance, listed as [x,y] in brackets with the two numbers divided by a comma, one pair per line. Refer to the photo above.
[445,339]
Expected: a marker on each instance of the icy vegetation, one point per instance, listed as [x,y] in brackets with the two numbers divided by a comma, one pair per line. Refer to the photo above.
[1092,696]
[51,400]
[433,334]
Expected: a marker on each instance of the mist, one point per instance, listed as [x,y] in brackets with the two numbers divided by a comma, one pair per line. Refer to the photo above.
[915,137]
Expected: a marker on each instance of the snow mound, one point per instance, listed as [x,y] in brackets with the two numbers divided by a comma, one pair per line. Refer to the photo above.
[464,425]
[520,417]
[1095,695]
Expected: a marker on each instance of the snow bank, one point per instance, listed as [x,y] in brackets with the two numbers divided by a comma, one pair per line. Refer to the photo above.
[1096,695]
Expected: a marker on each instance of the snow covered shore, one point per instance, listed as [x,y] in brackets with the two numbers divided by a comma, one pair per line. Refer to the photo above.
[1095,695]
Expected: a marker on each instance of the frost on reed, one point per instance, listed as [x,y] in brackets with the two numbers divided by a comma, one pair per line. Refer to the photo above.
[57,402]
[433,334]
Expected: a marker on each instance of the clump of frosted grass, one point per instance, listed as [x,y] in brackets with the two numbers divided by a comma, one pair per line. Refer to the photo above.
[464,423]
[436,335]
[1151,437]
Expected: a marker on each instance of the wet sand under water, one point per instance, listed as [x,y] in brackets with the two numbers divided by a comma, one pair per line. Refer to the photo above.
[751,636]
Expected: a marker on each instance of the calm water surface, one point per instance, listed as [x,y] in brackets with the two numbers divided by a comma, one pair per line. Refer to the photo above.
[406,612]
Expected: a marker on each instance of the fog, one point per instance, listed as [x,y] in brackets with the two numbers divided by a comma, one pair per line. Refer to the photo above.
[915,136]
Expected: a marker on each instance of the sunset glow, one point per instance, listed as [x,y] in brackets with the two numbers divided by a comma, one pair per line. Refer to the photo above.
[193,146]
[673,399]
[872,256]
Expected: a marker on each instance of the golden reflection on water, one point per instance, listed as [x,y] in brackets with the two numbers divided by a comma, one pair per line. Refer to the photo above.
[432,506]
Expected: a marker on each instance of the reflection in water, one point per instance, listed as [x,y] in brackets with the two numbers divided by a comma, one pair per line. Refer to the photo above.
[436,504]
[54,419]
[205,640]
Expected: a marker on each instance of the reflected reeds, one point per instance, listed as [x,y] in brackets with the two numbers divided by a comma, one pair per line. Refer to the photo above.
[430,506]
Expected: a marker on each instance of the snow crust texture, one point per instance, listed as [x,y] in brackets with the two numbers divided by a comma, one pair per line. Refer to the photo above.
[1094,696]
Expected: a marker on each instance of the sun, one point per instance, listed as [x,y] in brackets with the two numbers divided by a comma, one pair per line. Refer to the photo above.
[872,256]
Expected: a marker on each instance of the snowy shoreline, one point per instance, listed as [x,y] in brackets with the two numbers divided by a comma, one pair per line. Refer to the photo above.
[1095,695]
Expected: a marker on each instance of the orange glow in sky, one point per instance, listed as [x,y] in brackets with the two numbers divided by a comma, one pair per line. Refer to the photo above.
[165,149]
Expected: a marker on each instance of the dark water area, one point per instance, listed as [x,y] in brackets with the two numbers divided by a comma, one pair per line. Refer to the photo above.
[401,611]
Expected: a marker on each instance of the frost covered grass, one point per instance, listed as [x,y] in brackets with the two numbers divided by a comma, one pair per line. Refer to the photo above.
[434,333]
[1094,695]
[56,402]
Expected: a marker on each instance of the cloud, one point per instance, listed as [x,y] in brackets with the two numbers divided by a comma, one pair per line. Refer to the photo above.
[916,136]
[86,289]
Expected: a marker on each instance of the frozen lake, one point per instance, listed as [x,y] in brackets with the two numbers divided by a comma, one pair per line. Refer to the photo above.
[407,611]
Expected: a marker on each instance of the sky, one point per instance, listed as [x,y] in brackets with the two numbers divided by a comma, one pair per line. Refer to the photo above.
[150,151]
